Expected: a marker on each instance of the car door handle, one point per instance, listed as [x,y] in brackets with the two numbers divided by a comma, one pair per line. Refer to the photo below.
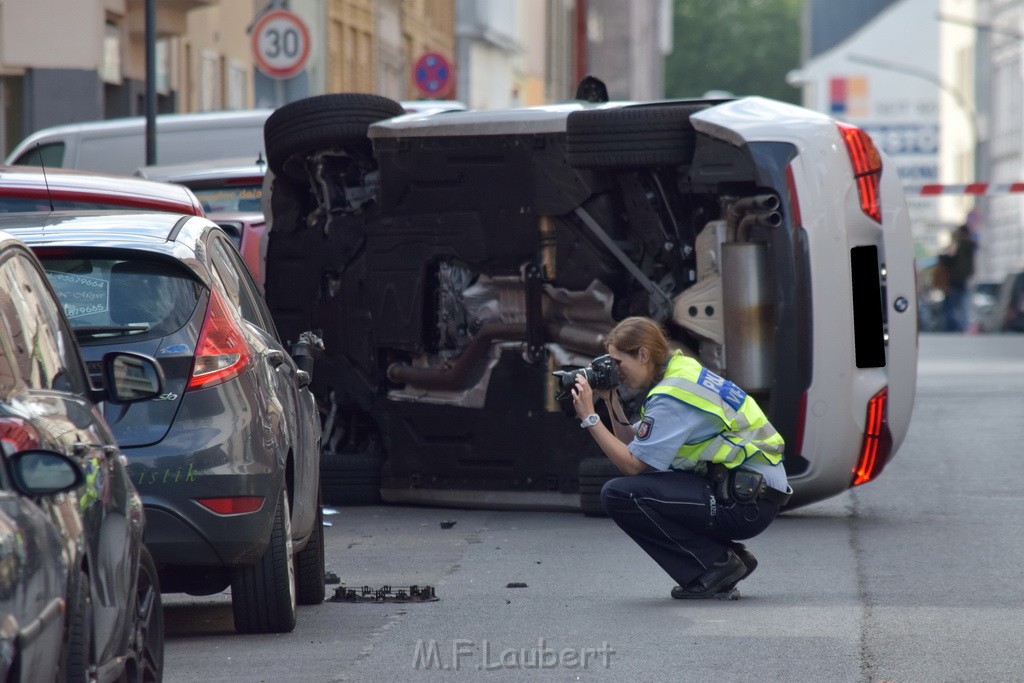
[275,357]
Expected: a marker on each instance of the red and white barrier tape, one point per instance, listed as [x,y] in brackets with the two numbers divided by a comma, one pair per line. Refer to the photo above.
[974,189]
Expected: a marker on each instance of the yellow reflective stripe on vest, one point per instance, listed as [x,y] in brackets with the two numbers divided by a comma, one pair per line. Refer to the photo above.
[708,395]
[747,431]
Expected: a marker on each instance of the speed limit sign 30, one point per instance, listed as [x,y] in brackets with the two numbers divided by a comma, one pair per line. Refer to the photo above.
[280,44]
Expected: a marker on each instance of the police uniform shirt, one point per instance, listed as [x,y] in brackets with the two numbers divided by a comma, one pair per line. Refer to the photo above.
[669,423]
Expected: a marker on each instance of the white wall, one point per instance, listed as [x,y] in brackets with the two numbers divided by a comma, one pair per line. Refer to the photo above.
[73,34]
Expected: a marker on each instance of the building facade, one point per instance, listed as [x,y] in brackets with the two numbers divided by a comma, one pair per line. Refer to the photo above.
[999,32]
[878,70]
[90,63]
[976,74]
[626,46]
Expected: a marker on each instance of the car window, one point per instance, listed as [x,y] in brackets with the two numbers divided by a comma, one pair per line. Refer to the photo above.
[133,299]
[41,346]
[230,198]
[231,273]
[50,155]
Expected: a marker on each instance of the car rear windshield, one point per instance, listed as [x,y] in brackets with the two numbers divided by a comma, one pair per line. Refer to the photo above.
[115,299]
[228,198]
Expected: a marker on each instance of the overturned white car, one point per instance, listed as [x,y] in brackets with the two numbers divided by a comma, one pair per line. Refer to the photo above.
[451,261]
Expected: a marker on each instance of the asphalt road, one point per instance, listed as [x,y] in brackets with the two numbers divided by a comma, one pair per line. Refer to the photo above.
[913,577]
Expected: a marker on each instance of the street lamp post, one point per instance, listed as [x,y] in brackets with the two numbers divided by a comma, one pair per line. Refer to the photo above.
[150,82]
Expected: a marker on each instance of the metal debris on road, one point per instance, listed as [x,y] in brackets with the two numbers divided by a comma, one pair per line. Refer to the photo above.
[384,594]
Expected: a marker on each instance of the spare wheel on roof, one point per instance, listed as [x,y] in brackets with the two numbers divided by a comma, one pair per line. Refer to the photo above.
[631,137]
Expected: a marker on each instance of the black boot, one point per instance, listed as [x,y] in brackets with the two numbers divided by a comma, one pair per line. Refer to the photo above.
[719,577]
[748,559]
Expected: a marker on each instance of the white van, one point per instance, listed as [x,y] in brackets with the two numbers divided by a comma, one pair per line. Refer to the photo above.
[119,145]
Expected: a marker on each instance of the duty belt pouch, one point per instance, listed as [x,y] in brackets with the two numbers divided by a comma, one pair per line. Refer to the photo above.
[745,485]
[719,477]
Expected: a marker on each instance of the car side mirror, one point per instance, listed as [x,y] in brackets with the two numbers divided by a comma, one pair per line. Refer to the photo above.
[130,377]
[40,473]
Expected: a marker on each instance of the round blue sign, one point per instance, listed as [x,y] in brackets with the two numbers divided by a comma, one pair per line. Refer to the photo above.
[433,74]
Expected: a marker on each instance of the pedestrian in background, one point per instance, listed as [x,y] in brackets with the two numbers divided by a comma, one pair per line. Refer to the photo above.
[959,265]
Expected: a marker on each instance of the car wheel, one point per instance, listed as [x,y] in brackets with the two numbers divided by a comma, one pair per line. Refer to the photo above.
[263,595]
[149,623]
[79,629]
[594,472]
[333,120]
[310,576]
[350,478]
[632,137]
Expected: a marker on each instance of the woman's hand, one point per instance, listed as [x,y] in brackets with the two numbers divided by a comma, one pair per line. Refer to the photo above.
[582,397]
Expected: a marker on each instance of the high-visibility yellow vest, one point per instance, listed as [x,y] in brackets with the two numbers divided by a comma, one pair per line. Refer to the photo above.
[747,430]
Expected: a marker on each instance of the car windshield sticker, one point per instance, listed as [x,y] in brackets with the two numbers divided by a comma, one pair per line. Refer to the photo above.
[80,295]
[644,431]
[729,392]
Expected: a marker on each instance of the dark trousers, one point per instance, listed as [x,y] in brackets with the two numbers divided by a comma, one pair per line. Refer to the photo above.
[676,519]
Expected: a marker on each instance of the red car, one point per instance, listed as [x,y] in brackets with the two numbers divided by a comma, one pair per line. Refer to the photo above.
[30,188]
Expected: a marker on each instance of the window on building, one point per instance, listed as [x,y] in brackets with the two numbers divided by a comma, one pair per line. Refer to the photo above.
[237,79]
[209,81]
[110,69]
[163,66]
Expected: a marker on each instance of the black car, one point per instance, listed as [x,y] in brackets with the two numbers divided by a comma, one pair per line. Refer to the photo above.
[79,595]
[227,457]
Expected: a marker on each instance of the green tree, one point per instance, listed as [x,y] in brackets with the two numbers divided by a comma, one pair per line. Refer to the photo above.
[745,47]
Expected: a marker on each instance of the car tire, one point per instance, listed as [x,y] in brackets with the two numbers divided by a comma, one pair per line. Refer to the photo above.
[79,629]
[594,472]
[334,120]
[632,137]
[148,637]
[351,478]
[310,573]
[263,595]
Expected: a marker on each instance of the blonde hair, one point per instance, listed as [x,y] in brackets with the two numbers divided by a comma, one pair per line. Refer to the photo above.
[635,332]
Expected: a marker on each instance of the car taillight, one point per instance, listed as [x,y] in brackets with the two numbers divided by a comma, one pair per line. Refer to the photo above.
[877,443]
[221,352]
[17,435]
[801,424]
[235,505]
[867,168]
[794,201]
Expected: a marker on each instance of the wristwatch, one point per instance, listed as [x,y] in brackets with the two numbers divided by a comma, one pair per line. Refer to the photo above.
[590,420]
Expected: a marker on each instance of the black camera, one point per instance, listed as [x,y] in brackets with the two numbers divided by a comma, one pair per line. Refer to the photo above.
[602,374]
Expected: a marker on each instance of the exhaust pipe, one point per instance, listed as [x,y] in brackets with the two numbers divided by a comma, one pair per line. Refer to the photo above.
[465,369]
[746,212]
[460,374]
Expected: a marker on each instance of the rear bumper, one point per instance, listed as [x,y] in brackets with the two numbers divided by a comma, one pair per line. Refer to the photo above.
[176,539]
[202,458]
